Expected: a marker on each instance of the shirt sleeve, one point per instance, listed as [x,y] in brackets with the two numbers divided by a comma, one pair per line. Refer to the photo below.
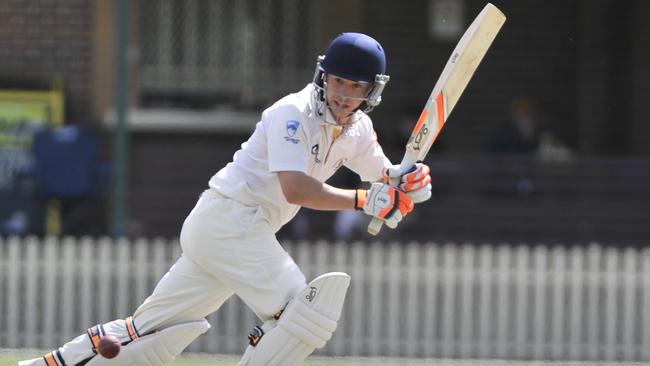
[370,160]
[286,137]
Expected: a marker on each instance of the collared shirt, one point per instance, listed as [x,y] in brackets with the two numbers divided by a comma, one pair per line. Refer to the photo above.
[291,136]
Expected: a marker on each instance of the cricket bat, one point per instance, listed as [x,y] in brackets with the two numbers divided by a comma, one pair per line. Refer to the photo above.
[458,71]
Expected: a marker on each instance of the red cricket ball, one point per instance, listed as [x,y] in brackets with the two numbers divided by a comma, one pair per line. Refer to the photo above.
[109,346]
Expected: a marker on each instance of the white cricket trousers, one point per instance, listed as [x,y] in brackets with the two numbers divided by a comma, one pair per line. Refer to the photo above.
[228,248]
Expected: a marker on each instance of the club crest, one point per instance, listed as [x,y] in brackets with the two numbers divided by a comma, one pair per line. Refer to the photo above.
[292,128]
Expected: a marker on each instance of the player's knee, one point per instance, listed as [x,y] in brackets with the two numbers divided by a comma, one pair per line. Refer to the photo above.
[307,323]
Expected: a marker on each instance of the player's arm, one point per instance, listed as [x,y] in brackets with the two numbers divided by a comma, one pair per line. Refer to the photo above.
[373,166]
[303,190]
[381,200]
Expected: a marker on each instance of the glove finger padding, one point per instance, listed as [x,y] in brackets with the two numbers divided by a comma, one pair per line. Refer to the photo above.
[385,202]
[393,220]
[420,195]
[413,186]
[414,179]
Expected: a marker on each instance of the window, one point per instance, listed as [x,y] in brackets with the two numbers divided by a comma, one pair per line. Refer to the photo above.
[241,51]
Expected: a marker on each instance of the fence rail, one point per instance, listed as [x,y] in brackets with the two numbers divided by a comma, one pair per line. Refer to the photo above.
[406,300]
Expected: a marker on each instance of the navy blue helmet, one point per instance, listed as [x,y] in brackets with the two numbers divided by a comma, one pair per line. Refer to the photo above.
[357,57]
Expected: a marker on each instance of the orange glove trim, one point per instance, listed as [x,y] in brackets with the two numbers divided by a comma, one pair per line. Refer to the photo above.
[360,199]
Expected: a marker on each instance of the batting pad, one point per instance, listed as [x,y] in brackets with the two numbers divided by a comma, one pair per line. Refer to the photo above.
[307,323]
[156,349]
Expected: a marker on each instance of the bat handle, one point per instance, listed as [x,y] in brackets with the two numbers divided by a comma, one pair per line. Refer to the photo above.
[375,226]
[407,162]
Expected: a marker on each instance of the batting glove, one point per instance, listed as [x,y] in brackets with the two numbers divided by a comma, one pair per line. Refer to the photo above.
[385,202]
[416,182]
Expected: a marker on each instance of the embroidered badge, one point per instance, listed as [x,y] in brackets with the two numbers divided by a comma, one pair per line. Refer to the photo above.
[292,128]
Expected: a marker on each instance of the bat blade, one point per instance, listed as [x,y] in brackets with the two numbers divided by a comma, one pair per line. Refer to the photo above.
[453,80]
[460,68]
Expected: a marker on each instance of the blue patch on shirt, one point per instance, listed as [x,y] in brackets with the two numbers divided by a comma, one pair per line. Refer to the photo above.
[292,128]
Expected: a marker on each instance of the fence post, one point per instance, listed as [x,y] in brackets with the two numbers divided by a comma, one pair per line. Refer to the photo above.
[106,268]
[375,310]
[505,284]
[486,310]
[86,282]
[141,254]
[522,305]
[579,279]
[393,301]
[594,311]
[413,309]
[466,277]
[645,305]
[355,307]
[32,268]
[3,289]
[629,310]
[541,279]
[338,257]
[14,336]
[431,273]
[610,280]
[449,305]
[558,307]
[68,298]
[52,284]
[123,271]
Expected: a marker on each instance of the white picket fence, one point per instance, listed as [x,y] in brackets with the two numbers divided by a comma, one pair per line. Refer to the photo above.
[406,300]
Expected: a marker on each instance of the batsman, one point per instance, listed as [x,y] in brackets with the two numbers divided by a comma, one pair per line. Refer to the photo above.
[228,240]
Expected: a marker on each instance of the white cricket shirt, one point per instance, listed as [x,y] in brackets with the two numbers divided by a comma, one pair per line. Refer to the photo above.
[292,137]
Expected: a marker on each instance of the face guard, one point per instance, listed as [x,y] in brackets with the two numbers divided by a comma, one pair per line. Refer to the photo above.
[351,56]
[367,104]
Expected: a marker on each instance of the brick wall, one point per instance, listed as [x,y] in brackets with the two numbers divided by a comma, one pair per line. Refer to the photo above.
[40,39]
[566,54]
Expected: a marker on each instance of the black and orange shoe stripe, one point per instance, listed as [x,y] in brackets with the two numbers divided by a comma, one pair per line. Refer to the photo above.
[94,333]
[49,359]
[131,328]
[255,335]
[54,358]
[57,353]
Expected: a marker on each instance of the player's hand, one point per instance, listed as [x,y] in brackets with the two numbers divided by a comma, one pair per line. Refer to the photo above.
[384,202]
[416,182]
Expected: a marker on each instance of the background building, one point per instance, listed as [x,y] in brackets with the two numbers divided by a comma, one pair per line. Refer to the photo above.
[534,245]
[200,72]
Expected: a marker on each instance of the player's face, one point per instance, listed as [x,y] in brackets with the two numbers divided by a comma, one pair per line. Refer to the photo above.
[344,97]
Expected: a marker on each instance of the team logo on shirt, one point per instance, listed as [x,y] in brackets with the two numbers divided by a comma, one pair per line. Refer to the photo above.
[314,151]
[292,128]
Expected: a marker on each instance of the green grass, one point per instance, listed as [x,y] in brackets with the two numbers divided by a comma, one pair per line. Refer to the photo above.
[10,357]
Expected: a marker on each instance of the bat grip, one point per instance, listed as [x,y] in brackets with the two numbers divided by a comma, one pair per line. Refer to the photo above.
[374,227]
